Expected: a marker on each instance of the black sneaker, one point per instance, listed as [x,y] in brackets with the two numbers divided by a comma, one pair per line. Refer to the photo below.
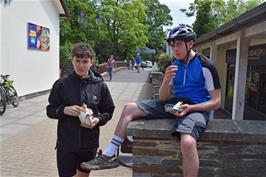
[100,162]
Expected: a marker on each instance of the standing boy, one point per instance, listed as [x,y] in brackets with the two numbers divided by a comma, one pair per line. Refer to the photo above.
[77,142]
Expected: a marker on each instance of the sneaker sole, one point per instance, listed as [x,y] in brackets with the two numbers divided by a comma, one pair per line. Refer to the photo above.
[102,168]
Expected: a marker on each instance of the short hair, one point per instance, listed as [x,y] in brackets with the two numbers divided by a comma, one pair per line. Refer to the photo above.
[82,50]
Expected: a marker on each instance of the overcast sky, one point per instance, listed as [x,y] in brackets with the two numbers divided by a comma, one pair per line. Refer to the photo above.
[178,17]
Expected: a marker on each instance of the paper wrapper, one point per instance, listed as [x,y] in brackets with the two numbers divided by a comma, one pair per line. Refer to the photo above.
[85,117]
[178,106]
[173,108]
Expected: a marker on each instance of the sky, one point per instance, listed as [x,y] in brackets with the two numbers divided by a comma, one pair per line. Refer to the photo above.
[178,17]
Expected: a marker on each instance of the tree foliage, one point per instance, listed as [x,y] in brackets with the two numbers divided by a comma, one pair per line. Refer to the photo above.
[113,26]
[158,15]
[74,29]
[210,14]
[122,26]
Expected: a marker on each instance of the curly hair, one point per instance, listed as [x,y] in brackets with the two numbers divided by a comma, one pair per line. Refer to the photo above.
[82,50]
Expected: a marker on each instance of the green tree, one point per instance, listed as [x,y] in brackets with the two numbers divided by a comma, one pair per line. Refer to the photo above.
[210,14]
[79,26]
[235,8]
[158,15]
[122,27]
[110,26]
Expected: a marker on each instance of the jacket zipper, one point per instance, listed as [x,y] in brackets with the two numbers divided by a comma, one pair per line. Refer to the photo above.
[185,73]
[79,142]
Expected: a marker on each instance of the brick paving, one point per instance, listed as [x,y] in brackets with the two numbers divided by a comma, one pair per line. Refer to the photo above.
[28,136]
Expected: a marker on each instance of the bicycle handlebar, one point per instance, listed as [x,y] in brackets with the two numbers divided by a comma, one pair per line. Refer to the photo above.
[5,76]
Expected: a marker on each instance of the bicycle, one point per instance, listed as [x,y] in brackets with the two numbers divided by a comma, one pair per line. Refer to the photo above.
[2,100]
[8,93]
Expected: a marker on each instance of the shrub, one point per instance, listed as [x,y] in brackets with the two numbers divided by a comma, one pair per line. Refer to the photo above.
[163,61]
[65,51]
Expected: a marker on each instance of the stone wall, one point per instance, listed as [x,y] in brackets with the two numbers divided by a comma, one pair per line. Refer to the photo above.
[228,148]
[156,78]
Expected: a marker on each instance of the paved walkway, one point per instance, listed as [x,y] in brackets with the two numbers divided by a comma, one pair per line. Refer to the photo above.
[28,136]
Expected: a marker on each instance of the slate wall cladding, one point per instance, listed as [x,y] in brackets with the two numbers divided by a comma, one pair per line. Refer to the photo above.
[156,79]
[227,149]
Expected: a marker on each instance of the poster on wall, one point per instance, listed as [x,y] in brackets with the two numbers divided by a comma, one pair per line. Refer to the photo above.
[38,37]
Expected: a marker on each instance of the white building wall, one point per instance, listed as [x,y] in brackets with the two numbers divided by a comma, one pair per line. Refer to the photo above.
[1,41]
[32,70]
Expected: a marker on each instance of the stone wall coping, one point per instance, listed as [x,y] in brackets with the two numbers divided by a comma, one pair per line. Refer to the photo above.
[157,72]
[248,131]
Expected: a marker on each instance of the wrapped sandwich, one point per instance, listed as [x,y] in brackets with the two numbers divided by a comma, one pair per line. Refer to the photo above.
[85,115]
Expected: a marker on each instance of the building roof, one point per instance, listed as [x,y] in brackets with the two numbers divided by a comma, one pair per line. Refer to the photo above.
[255,15]
[61,7]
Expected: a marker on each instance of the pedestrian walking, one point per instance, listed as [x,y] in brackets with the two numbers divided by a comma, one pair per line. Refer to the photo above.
[138,60]
[132,63]
[128,62]
[111,65]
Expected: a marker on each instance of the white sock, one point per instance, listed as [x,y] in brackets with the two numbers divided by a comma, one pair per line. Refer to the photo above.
[113,146]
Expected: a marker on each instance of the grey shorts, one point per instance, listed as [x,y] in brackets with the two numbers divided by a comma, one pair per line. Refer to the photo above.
[193,123]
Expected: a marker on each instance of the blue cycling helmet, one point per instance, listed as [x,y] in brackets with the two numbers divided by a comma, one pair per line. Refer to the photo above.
[181,33]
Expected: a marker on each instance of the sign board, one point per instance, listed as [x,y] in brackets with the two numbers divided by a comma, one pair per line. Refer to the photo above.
[38,37]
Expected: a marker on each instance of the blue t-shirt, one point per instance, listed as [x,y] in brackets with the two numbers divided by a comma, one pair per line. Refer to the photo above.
[138,60]
[195,79]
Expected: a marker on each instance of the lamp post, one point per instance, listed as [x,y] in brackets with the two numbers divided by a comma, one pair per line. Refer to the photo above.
[98,18]
[83,20]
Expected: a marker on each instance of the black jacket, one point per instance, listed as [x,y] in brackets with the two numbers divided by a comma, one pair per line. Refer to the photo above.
[72,90]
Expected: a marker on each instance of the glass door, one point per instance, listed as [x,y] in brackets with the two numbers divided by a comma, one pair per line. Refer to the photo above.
[229,93]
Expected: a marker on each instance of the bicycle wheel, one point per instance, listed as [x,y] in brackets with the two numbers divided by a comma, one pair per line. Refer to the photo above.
[2,101]
[13,96]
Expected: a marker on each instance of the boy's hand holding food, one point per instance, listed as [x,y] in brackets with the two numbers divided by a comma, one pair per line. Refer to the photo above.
[94,121]
[86,117]
[72,110]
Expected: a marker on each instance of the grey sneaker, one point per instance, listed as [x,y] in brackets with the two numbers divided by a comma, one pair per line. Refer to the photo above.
[100,162]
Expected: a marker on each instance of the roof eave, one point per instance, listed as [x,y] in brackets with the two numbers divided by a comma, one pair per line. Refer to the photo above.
[256,14]
[61,8]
